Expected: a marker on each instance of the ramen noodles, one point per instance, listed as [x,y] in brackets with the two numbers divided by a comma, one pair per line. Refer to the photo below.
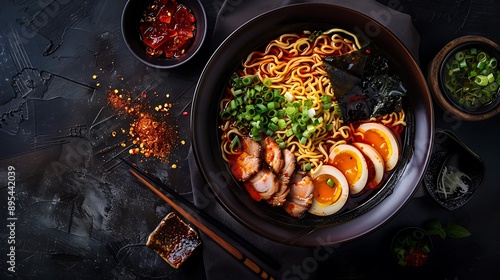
[286,92]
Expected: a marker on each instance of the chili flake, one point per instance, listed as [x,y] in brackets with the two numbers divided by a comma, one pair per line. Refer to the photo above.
[153,137]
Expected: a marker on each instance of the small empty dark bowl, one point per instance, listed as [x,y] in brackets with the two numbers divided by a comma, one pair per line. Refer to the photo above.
[447,81]
[451,153]
[131,18]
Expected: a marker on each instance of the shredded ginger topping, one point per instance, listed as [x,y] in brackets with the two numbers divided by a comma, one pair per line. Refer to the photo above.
[452,182]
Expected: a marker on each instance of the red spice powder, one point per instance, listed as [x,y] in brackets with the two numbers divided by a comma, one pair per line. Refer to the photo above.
[151,135]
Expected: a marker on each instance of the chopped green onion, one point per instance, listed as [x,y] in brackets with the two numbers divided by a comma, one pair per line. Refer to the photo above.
[426,249]
[481,80]
[491,78]
[272,105]
[238,83]
[237,92]
[307,166]
[272,127]
[262,110]
[290,111]
[272,113]
[485,71]
[481,65]
[482,57]
[492,63]
[281,143]
[267,82]
[246,80]
[330,183]
[302,122]
[282,123]
[233,104]
[473,79]
[314,35]
[459,56]
[493,86]
[235,143]
[325,98]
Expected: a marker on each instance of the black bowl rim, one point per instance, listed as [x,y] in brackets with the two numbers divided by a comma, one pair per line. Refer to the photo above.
[168,63]
[469,44]
[313,235]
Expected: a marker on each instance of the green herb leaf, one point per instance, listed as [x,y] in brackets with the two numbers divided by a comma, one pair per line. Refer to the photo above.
[456,231]
[435,228]
[433,224]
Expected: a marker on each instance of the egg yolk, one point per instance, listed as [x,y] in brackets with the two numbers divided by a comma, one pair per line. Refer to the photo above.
[378,141]
[349,164]
[326,193]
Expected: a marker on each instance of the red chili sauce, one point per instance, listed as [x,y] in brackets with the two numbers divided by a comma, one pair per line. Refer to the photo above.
[167,28]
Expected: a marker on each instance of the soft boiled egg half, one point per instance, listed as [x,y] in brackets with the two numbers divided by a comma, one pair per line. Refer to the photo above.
[351,162]
[331,191]
[376,164]
[383,140]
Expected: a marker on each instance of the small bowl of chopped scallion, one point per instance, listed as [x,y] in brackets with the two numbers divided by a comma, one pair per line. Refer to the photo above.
[465,78]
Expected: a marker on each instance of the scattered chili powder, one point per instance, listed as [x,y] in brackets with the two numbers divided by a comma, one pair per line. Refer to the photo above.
[151,136]
[117,102]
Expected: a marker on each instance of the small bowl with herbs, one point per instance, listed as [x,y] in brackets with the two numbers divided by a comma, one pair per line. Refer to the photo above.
[465,78]
[412,247]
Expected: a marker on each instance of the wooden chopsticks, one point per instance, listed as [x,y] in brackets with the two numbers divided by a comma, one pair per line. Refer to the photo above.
[250,264]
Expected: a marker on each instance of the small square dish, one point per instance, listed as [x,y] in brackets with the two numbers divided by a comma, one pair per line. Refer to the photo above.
[454,173]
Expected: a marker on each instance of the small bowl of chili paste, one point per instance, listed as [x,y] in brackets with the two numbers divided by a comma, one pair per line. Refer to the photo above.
[464,78]
[411,246]
[164,33]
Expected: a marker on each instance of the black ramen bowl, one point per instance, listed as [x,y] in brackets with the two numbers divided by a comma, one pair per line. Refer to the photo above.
[441,73]
[273,222]
[451,153]
[131,17]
